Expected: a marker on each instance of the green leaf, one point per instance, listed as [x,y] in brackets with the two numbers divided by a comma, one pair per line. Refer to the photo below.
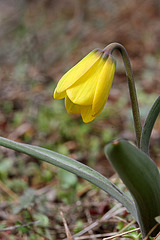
[41,219]
[73,166]
[67,179]
[141,176]
[26,200]
[5,167]
[149,124]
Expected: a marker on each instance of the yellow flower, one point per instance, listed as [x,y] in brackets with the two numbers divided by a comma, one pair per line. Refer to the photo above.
[86,86]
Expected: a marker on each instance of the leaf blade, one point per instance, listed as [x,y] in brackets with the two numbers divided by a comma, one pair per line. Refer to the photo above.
[73,166]
[149,124]
[141,176]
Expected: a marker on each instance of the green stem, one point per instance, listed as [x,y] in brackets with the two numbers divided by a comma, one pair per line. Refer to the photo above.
[131,83]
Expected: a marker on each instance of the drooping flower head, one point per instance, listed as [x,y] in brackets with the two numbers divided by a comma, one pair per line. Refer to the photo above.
[86,86]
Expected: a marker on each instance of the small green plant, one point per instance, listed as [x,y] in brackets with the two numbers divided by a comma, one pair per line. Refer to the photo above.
[86,88]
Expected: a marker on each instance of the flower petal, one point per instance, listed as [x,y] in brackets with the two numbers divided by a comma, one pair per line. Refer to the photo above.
[103,86]
[71,107]
[59,95]
[78,70]
[82,92]
[86,113]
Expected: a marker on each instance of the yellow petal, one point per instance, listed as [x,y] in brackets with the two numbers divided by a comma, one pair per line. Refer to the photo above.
[103,86]
[86,113]
[78,70]
[82,92]
[71,107]
[59,95]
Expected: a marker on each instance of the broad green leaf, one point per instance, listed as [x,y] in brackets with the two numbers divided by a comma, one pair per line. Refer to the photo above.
[73,166]
[141,176]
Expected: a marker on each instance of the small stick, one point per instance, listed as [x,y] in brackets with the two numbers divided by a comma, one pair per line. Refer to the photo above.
[19,226]
[121,234]
[8,191]
[69,236]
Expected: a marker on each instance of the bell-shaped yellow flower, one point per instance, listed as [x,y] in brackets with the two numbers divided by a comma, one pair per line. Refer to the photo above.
[86,86]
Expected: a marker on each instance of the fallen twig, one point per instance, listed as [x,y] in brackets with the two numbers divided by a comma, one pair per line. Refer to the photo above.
[121,234]
[19,226]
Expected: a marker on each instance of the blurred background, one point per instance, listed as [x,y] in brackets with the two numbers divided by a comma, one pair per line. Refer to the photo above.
[39,41]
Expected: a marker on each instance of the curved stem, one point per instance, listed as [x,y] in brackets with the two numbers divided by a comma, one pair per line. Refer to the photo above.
[131,83]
